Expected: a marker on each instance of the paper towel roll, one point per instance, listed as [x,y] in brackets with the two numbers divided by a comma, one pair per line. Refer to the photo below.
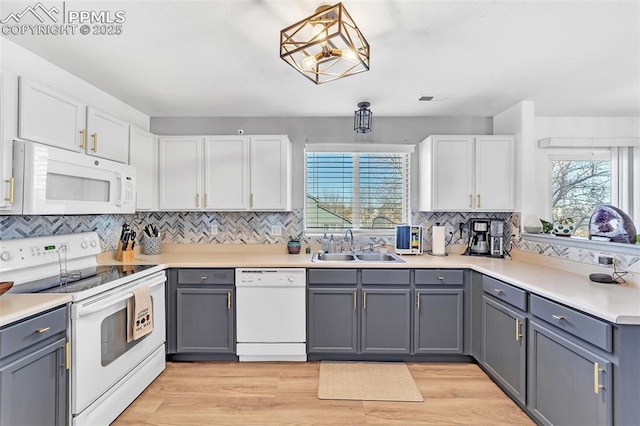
[437,246]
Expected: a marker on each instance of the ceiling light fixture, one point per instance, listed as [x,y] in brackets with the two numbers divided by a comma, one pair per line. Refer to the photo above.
[325,46]
[363,118]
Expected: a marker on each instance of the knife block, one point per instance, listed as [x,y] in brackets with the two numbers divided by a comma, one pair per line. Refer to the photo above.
[124,255]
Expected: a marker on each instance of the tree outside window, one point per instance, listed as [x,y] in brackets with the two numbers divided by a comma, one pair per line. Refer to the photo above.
[577,187]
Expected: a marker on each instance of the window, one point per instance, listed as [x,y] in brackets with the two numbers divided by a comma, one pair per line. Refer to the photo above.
[582,180]
[348,187]
[578,185]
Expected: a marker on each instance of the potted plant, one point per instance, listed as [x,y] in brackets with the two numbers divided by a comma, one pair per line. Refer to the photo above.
[564,227]
[293,246]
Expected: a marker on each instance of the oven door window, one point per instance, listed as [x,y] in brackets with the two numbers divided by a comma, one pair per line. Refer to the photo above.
[113,337]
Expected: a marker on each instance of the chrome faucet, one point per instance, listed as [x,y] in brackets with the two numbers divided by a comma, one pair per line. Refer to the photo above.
[349,232]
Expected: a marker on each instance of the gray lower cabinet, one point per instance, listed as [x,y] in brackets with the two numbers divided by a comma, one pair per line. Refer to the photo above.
[568,383]
[200,313]
[385,320]
[504,342]
[333,320]
[33,373]
[438,320]
[205,320]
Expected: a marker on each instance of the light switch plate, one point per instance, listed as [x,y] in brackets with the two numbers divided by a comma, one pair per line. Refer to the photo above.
[213,229]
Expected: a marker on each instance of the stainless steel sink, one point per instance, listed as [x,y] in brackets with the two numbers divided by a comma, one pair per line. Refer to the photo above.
[357,258]
[379,257]
[333,257]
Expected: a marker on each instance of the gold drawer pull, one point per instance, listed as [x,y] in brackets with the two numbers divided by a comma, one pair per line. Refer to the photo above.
[418,300]
[204,277]
[596,378]
[518,324]
[557,317]
[441,278]
[499,291]
[228,300]
[43,330]
[354,300]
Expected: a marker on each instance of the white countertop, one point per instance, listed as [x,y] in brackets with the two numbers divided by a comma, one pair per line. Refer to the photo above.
[14,307]
[546,277]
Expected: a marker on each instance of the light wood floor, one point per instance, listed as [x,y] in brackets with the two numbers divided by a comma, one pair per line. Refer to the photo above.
[286,393]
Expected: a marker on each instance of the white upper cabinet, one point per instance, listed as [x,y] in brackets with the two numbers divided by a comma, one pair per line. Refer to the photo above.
[143,155]
[226,170]
[467,173]
[270,173]
[8,132]
[234,173]
[51,117]
[180,169]
[108,136]
[494,173]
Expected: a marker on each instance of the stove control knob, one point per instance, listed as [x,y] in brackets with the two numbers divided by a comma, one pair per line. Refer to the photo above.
[94,243]
[84,244]
[6,255]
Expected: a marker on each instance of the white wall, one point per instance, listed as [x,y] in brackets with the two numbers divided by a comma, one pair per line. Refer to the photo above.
[22,62]
[596,127]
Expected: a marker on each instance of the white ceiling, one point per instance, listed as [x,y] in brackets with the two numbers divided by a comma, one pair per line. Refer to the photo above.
[221,58]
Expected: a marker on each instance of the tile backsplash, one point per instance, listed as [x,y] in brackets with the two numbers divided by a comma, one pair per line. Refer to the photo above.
[256,227]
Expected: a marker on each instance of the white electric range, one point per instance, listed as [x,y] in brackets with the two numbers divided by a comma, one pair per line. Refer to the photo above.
[107,372]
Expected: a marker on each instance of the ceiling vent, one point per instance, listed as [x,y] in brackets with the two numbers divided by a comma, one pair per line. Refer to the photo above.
[426,98]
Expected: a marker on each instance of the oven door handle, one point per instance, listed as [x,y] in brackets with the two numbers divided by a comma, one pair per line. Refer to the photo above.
[82,312]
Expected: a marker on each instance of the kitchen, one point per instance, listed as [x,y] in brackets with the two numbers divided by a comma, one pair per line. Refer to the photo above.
[190,131]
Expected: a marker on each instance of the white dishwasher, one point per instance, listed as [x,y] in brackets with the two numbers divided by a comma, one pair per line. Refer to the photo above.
[271,315]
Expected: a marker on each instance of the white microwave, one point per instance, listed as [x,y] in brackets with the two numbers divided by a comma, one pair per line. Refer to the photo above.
[51,180]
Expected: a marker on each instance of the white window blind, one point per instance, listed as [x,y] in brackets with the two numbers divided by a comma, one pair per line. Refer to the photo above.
[364,191]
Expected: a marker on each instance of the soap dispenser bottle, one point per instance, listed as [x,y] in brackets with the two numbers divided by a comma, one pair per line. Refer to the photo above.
[325,243]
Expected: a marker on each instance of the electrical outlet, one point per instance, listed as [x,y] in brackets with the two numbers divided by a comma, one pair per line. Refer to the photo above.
[603,259]
[276,230]
[213,229]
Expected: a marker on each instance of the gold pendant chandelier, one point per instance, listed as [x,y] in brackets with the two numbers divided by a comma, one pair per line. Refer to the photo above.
[325,46]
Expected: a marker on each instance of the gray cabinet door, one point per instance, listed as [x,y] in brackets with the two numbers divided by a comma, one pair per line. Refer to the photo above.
[438,321]
[568,384]
[386,320]
[205,320]
[333,320]
[33,389]
[505,347]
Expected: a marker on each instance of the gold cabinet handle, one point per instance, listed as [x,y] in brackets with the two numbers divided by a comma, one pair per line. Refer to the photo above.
[470,200]
[206,199]
[557,317]
[499,291]
[364,300]
[251,200]
[478,200]
[197,199]
[440,278]
[518,324]
[203,277]
[596,378]
[83,141]
[11,183]
[354,300]
[417,300]
[228,300]
[43,330]
[94,148]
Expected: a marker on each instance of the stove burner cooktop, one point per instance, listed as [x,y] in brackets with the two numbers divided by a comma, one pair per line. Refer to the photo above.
[80,280]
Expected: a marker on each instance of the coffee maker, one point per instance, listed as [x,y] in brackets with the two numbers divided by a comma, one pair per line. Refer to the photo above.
[478,237]
[486,238]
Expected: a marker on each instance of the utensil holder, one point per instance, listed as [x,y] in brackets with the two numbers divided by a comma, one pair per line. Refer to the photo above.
[124,255]
[152,245]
